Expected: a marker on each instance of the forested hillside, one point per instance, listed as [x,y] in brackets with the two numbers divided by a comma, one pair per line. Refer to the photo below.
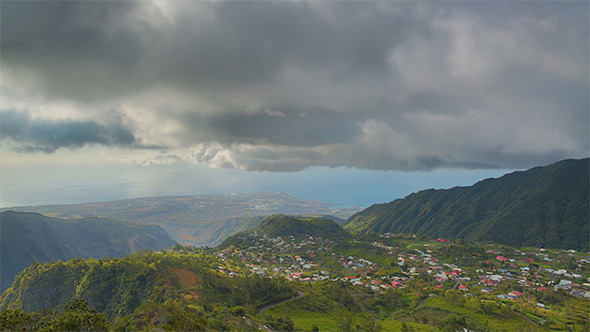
[372,282]
[28,237]
[281,225]
[541,207]
[169,290]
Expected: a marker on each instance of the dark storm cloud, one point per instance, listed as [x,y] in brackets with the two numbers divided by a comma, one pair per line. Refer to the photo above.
[70,29]
[79,50]
[235,43]
[29,135]
[273,126]
[98,49]
[287,85]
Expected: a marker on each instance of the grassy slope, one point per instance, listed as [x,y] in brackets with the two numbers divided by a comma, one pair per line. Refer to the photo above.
[542,207]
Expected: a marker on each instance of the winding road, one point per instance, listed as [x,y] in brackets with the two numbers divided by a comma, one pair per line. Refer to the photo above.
[299,294]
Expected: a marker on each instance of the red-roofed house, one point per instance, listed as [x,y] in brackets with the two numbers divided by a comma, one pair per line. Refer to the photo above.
[396,284]
[441,277]
[501,258]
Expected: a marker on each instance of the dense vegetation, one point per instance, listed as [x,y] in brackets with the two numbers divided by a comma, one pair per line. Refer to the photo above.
[369,283]
[281,225]
[306,273]
[28,237]
[73,316]
[178,290]
[542,207]
[284,225]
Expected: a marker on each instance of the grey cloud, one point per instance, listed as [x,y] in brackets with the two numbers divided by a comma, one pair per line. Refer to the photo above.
[90,50]
[292,128]
[29,135]
[292,84]
[77,50]
[259,157]
[250,42]
[73,30]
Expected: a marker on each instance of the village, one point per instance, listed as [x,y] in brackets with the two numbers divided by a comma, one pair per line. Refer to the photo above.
[390,261]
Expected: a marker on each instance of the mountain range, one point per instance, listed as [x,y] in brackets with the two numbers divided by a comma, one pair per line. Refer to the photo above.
[202,220]
[541,207]
[31,237]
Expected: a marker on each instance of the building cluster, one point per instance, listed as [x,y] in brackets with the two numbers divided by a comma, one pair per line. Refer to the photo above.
[503,274]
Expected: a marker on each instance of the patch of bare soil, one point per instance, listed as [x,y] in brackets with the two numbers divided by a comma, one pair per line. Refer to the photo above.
[187,279]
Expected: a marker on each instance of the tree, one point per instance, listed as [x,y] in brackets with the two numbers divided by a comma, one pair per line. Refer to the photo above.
[406,328]
[13,319]
[453,323]
[78,317]
[344,322]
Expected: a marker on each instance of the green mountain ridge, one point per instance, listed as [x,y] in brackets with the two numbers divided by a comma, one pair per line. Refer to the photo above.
[542,207]
[28,237]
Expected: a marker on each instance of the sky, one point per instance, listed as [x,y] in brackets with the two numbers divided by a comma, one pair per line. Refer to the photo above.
[342,101]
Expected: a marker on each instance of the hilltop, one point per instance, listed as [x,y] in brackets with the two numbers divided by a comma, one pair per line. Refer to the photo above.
[28,237]
[284,225]
[542,207]
[281,225]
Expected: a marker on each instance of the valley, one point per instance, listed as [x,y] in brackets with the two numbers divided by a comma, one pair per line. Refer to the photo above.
[28,238]
[289,165]
[203,220]
[370,282]
[400,266]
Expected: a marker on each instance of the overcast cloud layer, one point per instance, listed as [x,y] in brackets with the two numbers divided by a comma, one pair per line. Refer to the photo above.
[282,86]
